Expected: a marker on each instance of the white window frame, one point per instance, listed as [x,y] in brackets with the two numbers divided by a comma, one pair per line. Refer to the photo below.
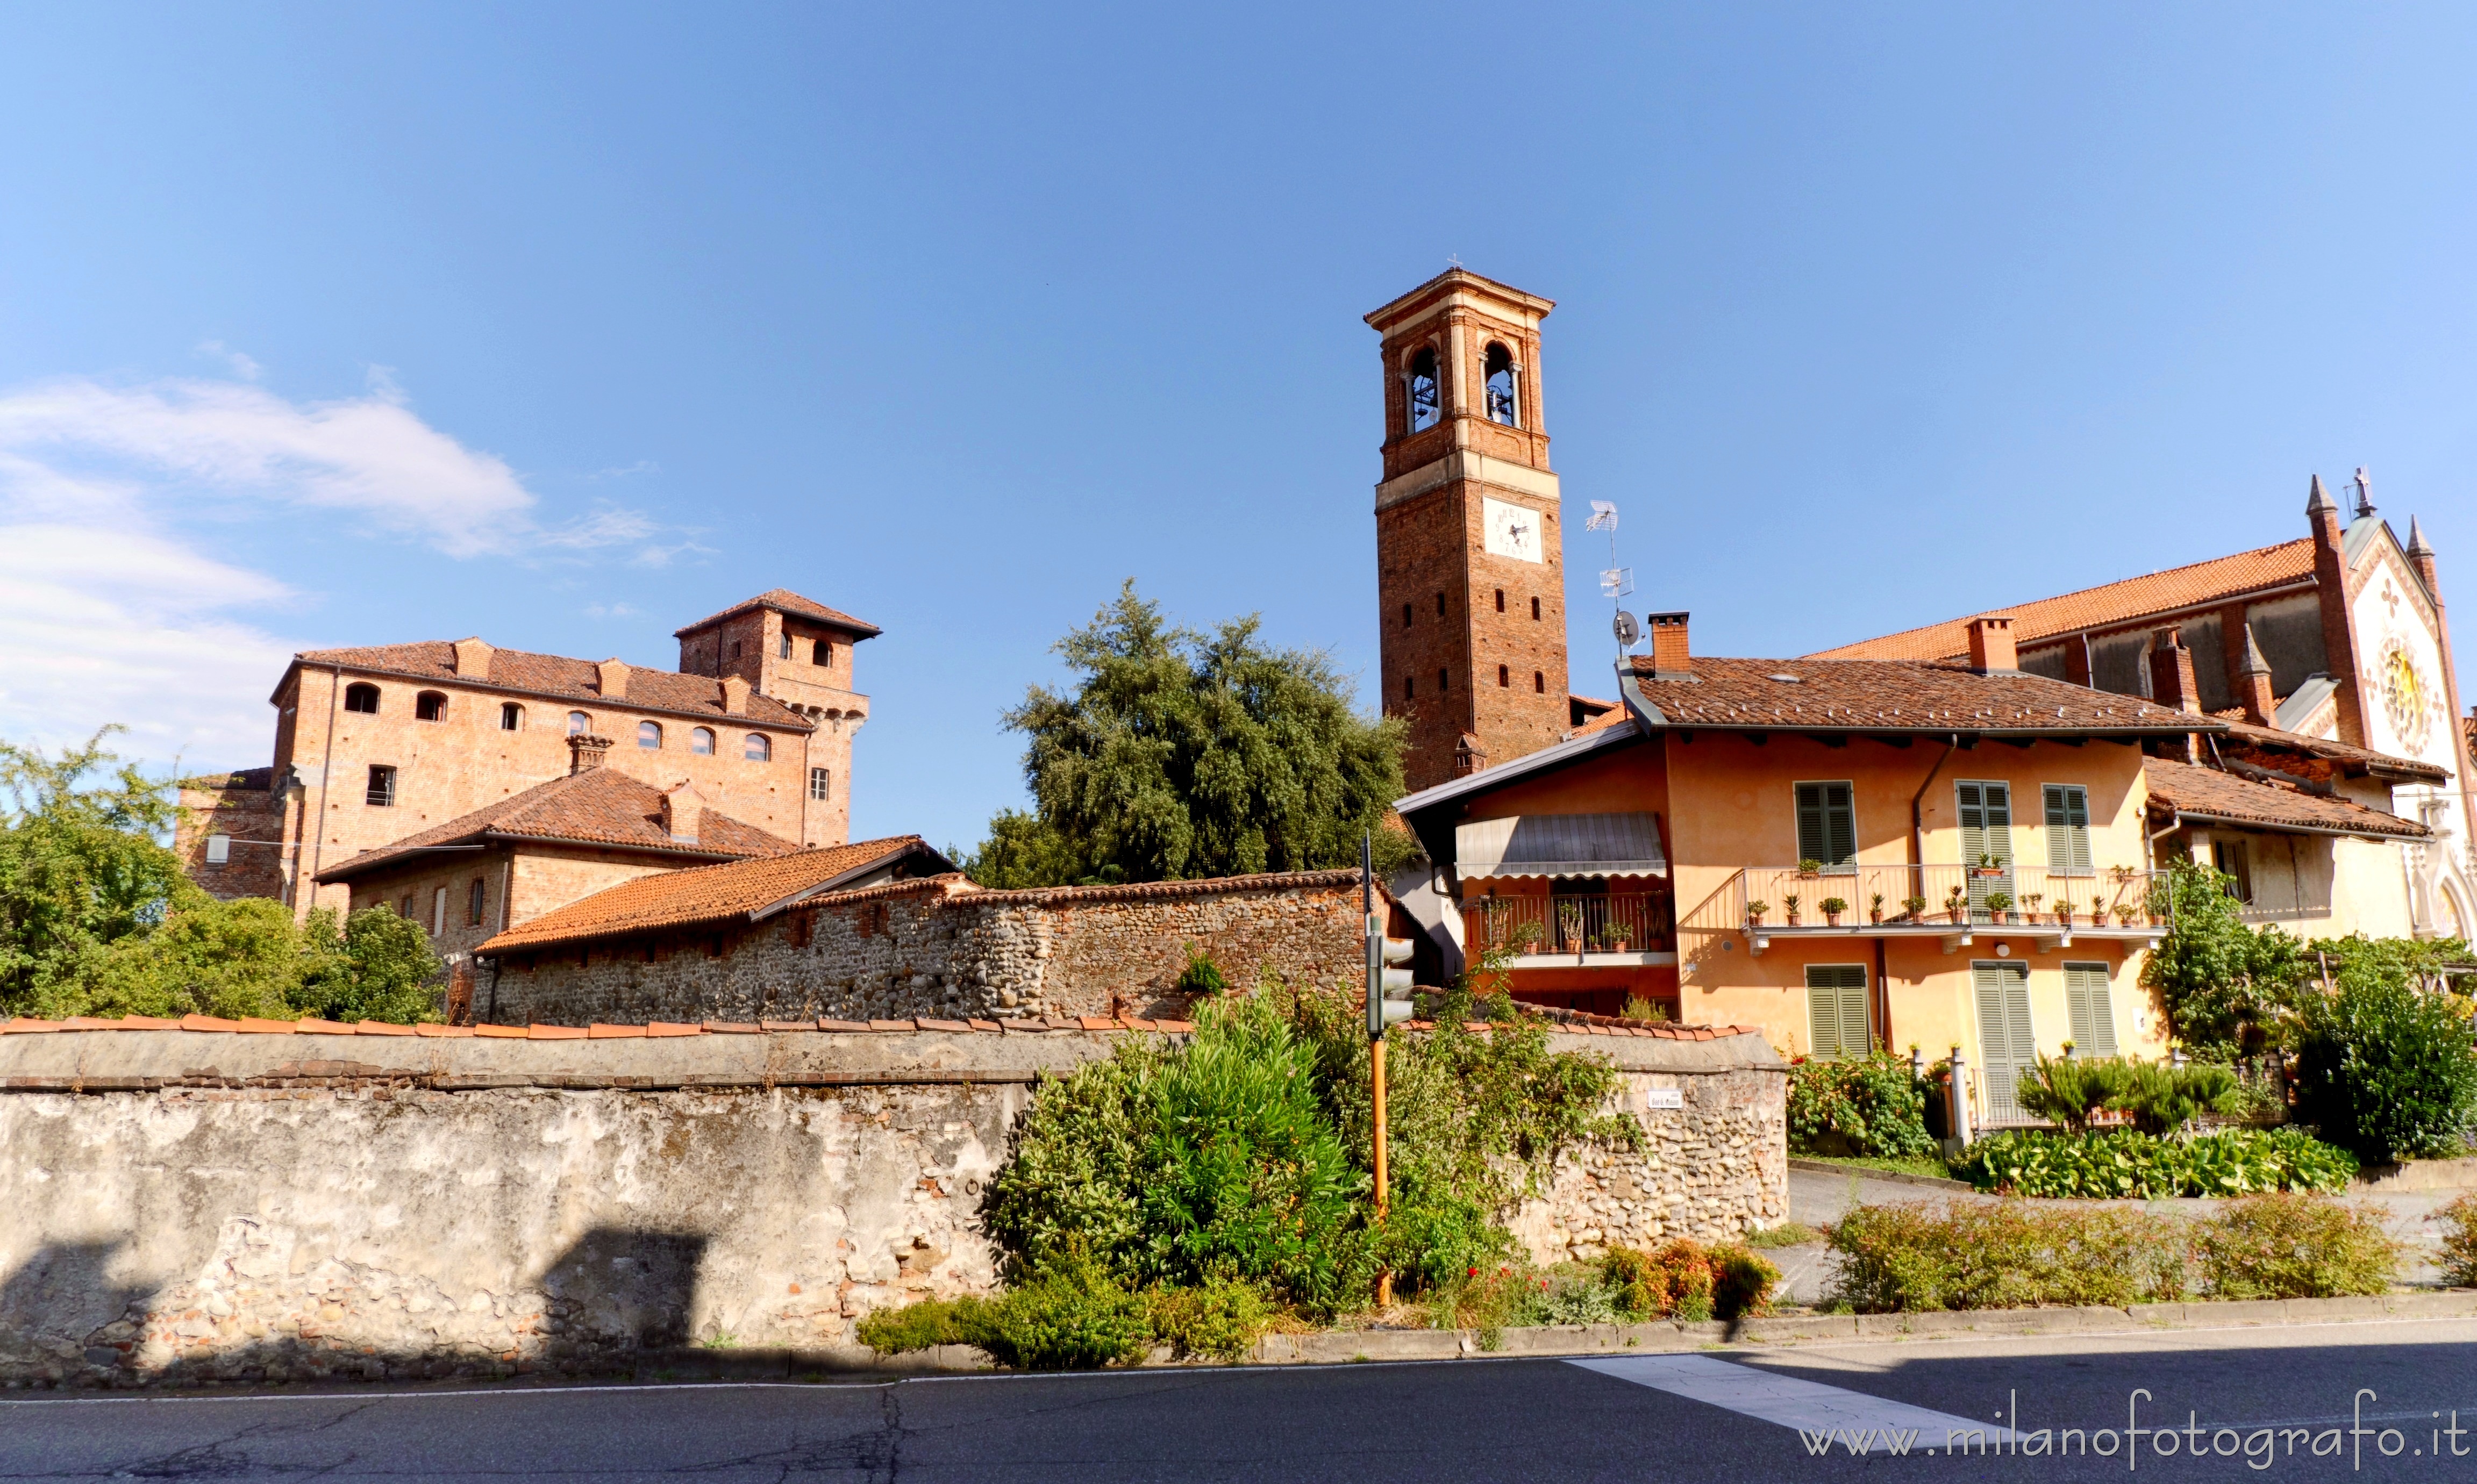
[218,849]
[439,914]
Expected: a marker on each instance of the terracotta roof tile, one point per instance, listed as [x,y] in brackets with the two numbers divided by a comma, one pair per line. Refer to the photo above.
[784,601]
[702,894]
[599,806]
[2190,789]
[2245,733]
[1893,695]
[554,676]
[2100,607]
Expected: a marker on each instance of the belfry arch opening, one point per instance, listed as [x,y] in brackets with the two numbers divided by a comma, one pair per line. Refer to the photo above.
[1504,391]
[1425,398]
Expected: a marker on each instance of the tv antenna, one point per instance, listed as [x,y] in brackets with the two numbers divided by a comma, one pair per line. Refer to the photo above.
[1616,582]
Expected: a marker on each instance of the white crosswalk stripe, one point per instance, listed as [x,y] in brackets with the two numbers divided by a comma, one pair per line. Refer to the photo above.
[1827,1417]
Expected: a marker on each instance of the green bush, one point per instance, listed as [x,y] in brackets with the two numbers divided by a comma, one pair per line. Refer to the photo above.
[2067,1091]
[1201,975]
[2225,987]
[1072,1316]
[1742,1281]
[1685,1279]
[1222,1318]
[2003,1255]
[2163,1099]
[1866,1105]
[2383,1067]
[2124,1164]
[2459,1221]
[2293,1246]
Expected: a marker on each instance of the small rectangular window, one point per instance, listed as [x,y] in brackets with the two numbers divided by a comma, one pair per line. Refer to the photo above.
[474,900]
[825,651]
[821,783]
[1535,610]
[1835,1011]
[1441,604]
[2229,858]
[381,790]
[438,912]
[2068,842]
[218,849]
[1406,615]
[2093,1018]
[1500,600]
[1503,676]
[1444,680]
[1827,825]
[786,647]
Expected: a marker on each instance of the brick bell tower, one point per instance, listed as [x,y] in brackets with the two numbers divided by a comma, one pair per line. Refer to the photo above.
[1469,554]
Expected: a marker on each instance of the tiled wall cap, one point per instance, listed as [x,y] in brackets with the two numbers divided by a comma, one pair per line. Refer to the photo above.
[598,1032]
[554,1032]
[207,1023]
[369,1028]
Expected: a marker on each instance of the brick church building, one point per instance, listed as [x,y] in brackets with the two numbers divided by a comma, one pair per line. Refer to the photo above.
[433,755]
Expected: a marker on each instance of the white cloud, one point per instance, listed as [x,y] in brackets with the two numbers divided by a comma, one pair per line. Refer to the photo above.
[111,625]
[243,366]
[112,611]
[608,610]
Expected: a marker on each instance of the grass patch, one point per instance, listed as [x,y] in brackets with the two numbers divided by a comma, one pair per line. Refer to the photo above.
[1927,1165]
[1786,1234]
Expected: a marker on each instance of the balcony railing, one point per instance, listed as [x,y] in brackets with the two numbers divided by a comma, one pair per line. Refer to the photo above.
[1919,898]
[1614,923]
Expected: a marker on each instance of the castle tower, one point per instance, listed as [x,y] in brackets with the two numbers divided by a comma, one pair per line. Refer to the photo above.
[1469,551]
[797,651]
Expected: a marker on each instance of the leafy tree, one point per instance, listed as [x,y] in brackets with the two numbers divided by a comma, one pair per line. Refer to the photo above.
[1180,754]
[2385,1067]
[2219,982]
[96,917]
[81,866]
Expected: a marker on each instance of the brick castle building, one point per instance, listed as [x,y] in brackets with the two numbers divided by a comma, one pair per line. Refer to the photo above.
[377,746]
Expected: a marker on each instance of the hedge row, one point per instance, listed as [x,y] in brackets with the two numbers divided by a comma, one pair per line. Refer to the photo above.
[2124,1164]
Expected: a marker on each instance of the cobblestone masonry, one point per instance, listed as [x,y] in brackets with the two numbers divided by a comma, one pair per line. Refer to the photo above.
[925,948]
[359,1207]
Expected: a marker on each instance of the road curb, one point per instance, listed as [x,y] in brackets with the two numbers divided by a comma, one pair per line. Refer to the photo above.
[1350,1347]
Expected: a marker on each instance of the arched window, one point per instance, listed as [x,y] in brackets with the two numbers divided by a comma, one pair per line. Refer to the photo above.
[825,651]
[430,706]
[1502,400]
[362,697]
[1503,676]
[511,716]
[1423,389]
[649,735]
[786,652]
[579,724]
[701,741]
[759,749]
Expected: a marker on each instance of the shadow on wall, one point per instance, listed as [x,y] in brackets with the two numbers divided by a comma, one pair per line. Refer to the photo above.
[613,1296]
[58,1311]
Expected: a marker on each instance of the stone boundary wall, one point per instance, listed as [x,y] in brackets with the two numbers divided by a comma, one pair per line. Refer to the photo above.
[929,949]
[190,1206]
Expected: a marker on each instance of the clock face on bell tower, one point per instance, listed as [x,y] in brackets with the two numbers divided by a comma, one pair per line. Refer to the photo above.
[1469,557]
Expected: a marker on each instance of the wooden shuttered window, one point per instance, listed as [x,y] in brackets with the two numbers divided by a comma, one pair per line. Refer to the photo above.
[2068,843]
[1985,829]
[1827,824]
[2094,1017]
[1835,1011]
[2006,1047]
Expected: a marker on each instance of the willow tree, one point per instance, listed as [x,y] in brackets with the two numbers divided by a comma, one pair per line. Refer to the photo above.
[1180,754]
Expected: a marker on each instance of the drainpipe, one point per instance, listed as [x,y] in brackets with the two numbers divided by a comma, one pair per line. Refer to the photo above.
[1918,801]
[326,775]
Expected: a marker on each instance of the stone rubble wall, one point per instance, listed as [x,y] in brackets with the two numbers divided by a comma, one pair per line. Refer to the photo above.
[920,949]
[187,1206]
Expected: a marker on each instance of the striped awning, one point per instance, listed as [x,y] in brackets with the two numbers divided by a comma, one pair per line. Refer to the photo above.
[1559,845]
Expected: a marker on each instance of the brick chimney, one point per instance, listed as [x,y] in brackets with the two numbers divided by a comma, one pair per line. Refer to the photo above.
[1990,645]
[2253,684]
[585,754]
[2172,684]
[1671,657]
[735,695]
[610,677]
[473,658]
[682,810]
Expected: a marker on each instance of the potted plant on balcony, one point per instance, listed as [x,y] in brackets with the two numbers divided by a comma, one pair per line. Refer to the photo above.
[1616,938]
[2029,901]
[1569,925]
[1875,910]
[1957,906]
[2124,914]
[1988,866]
[1915,908]
[1833,908]
[1789,904]
[1809,870]
[1755,911]
[2063,911]
[2098,911]
[1999,905]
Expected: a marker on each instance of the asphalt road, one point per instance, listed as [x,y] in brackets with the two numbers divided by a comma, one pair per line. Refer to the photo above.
[1742,1414]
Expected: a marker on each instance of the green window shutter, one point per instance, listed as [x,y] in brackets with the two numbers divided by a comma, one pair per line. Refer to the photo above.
[2086,992]
[1835,1010]
[2068,812]
[1827,824]
[2005,1045]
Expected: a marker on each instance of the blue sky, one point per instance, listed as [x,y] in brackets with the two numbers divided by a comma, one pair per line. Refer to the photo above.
[567,324]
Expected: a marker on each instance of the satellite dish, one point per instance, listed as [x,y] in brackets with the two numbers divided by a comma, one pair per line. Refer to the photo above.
[1627,630]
